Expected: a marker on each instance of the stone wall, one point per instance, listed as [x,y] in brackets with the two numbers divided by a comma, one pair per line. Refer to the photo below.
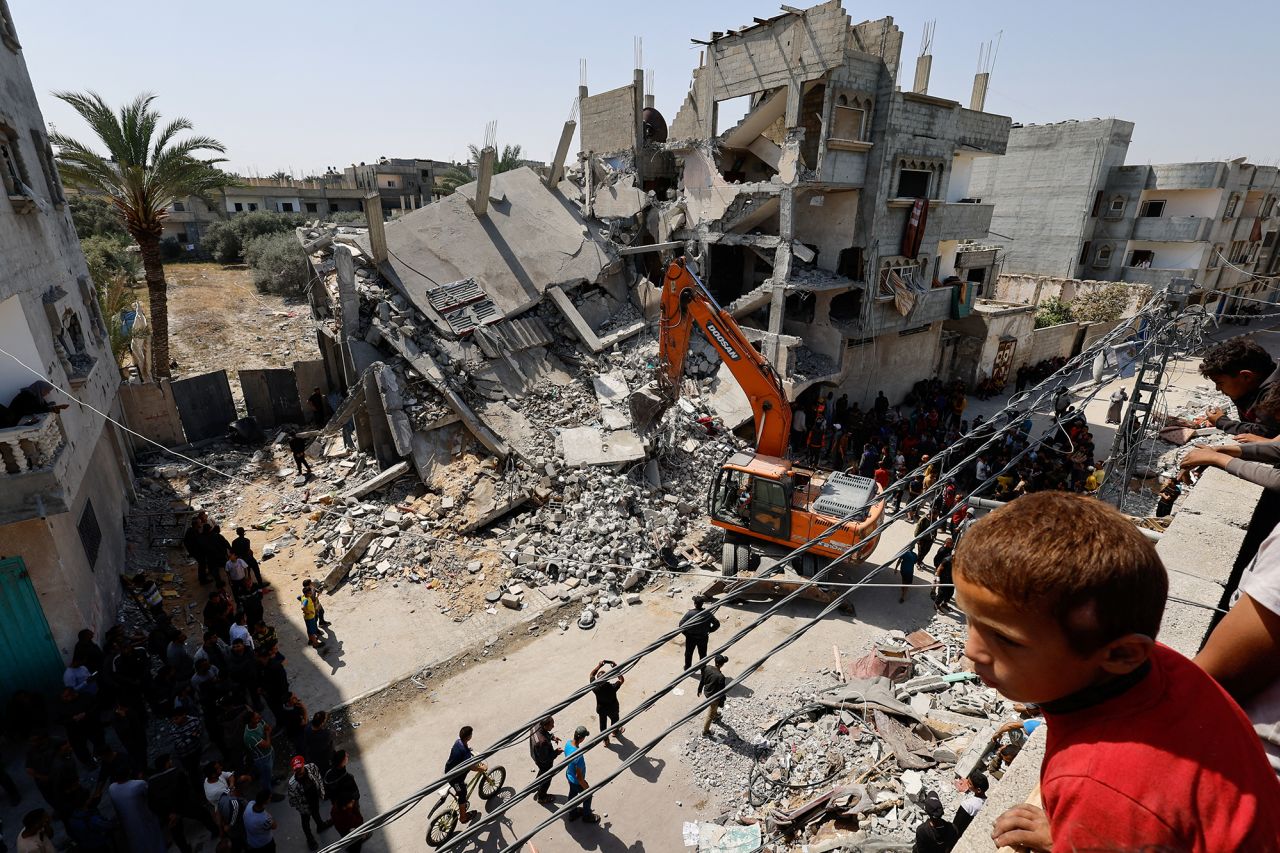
[1051,342]
[1035,289]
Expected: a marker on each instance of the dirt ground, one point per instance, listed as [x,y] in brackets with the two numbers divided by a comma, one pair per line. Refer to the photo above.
[218,320]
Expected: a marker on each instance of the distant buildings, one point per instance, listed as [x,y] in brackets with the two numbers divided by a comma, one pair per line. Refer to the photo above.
[187,219]
[1067,206]
[403,183]
[64,475]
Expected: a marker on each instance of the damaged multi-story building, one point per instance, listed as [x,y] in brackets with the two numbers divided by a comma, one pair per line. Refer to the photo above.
[835,219]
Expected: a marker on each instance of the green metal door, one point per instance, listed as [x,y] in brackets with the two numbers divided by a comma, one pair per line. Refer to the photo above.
[29,658]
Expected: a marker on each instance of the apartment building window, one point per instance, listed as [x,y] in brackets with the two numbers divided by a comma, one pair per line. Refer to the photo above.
[426,174]
[1084,252]
[1232,203]
[1103,257]
[1239,251]
[182,237]
[239,207]
[312,207]
[1097,204]
[1152,209]
[14,171]
[391,184]
[90,534]
[7,33]
[1116,208]
[913,183]
[849,118]
[1268,207]
[179,207]
[1269,240]
[1251,255]
[1142,258]
[253,206]
[333,207]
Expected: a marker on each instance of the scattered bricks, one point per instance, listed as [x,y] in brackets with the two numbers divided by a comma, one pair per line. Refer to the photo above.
[391,518]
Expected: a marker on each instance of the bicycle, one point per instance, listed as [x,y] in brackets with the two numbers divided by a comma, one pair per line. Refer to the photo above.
[442,823]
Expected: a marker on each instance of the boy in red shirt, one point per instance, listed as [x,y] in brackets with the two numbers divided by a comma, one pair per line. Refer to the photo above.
[1064,597]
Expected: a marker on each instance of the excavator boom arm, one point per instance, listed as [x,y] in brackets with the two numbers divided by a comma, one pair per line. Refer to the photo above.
[686,302]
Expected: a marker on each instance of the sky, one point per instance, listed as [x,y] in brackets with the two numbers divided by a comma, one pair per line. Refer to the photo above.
[299,87]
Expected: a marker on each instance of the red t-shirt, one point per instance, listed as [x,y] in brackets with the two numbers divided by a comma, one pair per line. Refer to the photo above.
[1172,762]
[882,477]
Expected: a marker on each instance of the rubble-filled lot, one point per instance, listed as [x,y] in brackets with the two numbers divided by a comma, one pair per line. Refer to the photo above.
[844,756]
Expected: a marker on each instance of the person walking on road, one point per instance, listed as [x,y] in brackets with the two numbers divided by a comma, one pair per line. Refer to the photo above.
[697,626]
[606,690]
[298,447]
[306,790]
[576,773]
[542,749]
[712,684]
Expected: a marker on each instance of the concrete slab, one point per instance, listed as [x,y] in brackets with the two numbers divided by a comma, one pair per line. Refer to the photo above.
[526,242]
[374,483]
[589,446]
[620,201]
[513,427]
[612,393]
[728,400]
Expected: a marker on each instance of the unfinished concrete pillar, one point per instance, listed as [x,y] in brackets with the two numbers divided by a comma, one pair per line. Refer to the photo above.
[924,64]
[377,236]
[379,431]
[403,206]
[979,99]
[481,203]
[562,151]
[786,229]
[637,89]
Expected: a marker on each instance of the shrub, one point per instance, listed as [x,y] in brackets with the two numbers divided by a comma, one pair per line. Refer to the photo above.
[170,249]
[110,256]
[95,217]
[222,240]
[260,222]
[347,217]
[279,263]
[1102,305]
[1053,312]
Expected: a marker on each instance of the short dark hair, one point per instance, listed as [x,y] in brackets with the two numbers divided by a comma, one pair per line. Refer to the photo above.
[1234,355]
[464,733]
[1073,557]
[33,819]
[979,781]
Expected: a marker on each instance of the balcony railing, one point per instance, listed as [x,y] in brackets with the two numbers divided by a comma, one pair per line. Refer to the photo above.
[1172,229]
[34,463]
[31,446]
[1155,277]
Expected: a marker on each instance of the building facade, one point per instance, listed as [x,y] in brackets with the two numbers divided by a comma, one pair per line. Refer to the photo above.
[808,211]
[187,219]
[65,482]
[1066,205]
[403,183]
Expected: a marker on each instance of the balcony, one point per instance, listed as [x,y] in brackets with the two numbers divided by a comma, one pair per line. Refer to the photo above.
[1172,229]
[33,459]
[1156,278]
[955,220]
[882,317]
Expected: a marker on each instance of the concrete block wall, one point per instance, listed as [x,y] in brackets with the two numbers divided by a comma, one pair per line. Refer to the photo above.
[1052,341]
[608,121]
[1199,550]
[1043,190]
[797,47]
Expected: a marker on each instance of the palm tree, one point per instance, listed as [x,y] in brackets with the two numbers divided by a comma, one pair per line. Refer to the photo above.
[145,170]
[509,158]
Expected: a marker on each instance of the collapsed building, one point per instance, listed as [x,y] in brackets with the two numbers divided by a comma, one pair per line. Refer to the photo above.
[515,316]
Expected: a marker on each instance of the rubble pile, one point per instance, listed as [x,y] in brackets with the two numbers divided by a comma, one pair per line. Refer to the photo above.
[849,754]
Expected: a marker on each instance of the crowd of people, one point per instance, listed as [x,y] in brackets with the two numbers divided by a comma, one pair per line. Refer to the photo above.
[886,442]
[204,726]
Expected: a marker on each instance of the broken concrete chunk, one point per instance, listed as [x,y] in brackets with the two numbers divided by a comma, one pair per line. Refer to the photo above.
[511,601]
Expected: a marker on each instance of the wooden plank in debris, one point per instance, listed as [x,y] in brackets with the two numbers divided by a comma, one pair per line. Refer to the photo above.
[373,484]
[922,641]
[348,559]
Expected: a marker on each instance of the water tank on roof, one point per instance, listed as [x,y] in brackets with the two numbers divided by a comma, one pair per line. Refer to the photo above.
[655,126]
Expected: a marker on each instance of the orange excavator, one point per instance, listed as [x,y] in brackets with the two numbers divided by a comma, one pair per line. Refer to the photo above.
[766,503]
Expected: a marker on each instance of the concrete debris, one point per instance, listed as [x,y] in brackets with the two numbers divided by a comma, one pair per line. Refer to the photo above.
[826,751]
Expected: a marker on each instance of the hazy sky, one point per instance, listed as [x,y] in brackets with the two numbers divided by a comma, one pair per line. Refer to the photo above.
[296,86]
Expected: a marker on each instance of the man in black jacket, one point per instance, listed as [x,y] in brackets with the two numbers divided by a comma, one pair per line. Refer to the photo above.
[543,750]
[242,548]
[193,542]
[697,625]
[344,794]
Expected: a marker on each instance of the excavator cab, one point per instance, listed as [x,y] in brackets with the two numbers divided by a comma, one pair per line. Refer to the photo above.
[745,497]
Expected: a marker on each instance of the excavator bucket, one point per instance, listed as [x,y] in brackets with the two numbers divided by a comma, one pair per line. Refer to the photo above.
[647,405]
